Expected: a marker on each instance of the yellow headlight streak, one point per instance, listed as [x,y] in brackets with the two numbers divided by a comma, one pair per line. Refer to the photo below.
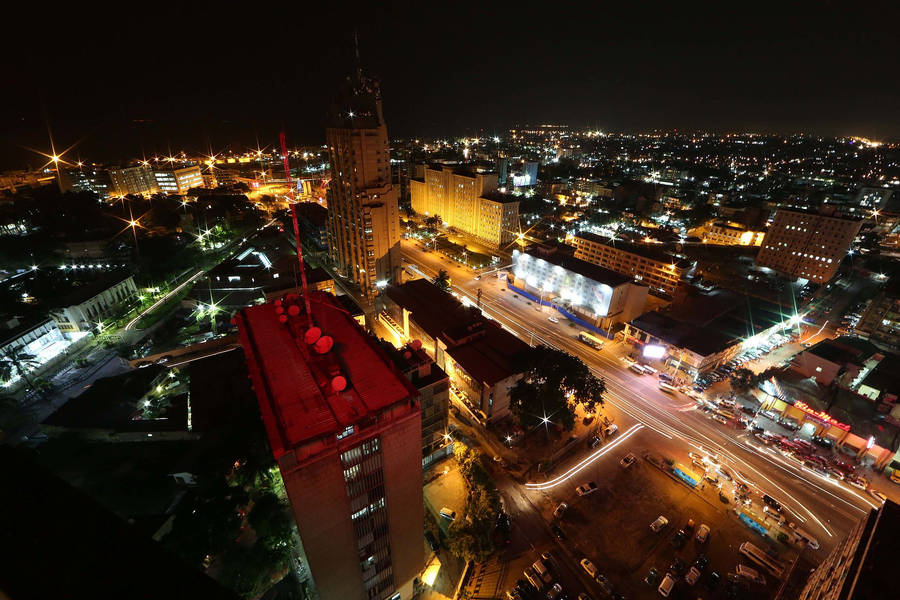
[584,463]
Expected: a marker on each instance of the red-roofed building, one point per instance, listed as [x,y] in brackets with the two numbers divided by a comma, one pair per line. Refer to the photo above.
[480,356]
[344,425]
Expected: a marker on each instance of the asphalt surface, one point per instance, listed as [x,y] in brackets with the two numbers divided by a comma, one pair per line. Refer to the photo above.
[671,424]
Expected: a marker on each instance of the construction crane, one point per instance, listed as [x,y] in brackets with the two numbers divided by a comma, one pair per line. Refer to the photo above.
[287,166]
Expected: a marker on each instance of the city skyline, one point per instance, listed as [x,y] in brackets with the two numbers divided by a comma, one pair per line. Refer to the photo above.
[113,96]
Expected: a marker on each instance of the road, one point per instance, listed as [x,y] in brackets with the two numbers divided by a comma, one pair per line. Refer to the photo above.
[672,424]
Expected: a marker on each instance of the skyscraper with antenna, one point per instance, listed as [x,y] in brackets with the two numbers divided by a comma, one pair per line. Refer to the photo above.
[364,219]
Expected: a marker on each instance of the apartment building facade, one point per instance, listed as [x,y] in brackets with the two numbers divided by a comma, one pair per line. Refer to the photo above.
[805,245]
[657,270]
[132,180]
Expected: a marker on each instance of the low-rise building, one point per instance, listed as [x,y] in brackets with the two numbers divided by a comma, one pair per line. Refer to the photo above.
[89,304]
[434,396]
[732,234]
[480,357]
[704,330]
[30,344]
[880,322]
[841,360]
[596,296]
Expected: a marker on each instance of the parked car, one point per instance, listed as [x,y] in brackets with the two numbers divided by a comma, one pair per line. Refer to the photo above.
[712,580]
[702,562]
[553,319]
[589,567]
[594,442]
[627,461]
[554,592]
[678,566]
[678,539]
[668,584]
[558,532]
[657,525]
[448,514]
[652,576]
[702,534]
[692,576]
[586,488]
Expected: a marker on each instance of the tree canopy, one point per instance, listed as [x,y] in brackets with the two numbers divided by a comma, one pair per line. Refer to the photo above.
[553,384]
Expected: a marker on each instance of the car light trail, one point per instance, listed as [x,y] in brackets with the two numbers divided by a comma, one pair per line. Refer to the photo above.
[577,468]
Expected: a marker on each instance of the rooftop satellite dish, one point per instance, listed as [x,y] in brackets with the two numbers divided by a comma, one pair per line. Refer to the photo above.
[282,318]
[407,355]
[279,310]
[339,383]
[293,310]
[324,344]
[312,335]
[278,302]
[416,344]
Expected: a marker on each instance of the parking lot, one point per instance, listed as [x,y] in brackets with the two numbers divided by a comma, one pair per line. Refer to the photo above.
[611,527]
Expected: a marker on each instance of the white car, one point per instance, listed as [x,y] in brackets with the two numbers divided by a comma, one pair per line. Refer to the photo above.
[692,576]
[560,510]
[553,319]
[668,584]
[657,525]
[589,568]
[702,534]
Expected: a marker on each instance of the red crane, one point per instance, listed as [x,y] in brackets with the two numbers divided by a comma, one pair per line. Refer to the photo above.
[287,176]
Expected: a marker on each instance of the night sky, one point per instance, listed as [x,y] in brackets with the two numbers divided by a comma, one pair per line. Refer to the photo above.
[143,78]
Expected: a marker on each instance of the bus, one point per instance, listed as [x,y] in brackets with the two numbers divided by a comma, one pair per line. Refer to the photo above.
[802,537]
[637,368]
[763,559]
[594,342]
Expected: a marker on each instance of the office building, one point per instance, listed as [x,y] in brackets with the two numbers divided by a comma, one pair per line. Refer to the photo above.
[467,201]
[85,179]
[805,245]
[732,234]
[660,271]
[597,297]
[861,566]
[502,169]
[344,426]
[178,180]
[364,219]
[89,304]
[478,355]
[132,180]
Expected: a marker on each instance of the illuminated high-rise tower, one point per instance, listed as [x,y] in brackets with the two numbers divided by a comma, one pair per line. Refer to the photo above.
[364,221]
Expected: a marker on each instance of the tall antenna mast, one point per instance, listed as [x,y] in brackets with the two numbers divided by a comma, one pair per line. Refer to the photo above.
[287,175]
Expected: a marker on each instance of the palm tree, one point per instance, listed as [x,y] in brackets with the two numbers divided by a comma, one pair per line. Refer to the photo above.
[17,362]
[442,280]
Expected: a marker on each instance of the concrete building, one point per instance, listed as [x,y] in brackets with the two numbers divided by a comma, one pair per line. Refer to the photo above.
[135,180]
[842,361]
[434,396]
[364,219]
[478,355]
[805,245]
[732,234]
[660,271]
[880,322]
[467,201]
[344,425]
[41,341]
[87,305]
[312,220]
[598,296]
[861,566]
[178,180]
